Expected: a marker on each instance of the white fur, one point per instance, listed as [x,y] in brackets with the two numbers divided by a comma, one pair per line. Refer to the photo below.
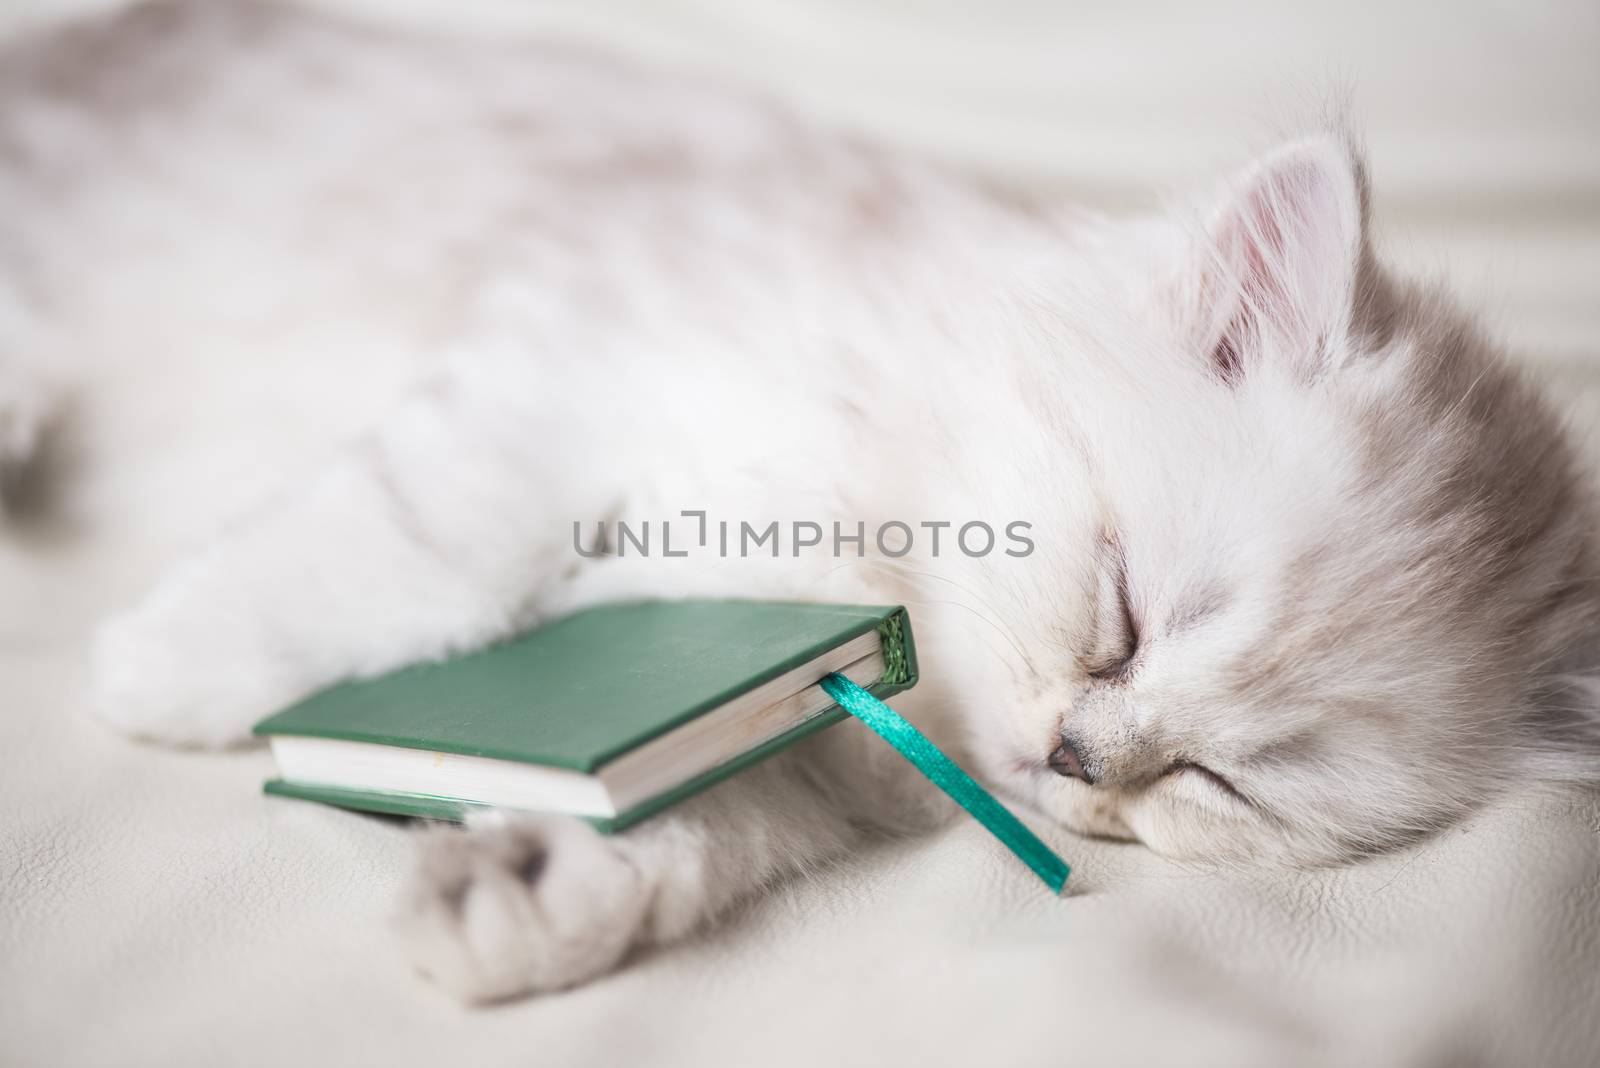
[537,288]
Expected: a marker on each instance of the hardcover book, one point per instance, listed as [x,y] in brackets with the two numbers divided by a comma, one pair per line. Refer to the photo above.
[611,714]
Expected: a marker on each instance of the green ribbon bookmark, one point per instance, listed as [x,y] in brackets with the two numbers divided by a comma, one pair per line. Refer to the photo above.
[948,776]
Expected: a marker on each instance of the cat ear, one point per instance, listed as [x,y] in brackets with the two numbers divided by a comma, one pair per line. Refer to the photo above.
[1282,257]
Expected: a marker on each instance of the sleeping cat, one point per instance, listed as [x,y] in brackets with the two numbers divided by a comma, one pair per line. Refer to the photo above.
[1310,563]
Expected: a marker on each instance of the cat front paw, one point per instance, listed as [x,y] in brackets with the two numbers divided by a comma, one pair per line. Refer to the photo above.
[519,904]
[160,678]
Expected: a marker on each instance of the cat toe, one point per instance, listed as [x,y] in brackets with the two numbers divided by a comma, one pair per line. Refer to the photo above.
[525,904]
[30,397]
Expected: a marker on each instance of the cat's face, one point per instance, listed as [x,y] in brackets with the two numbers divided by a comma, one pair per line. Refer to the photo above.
[1330,548]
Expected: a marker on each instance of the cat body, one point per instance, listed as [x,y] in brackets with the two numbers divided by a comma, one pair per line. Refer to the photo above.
[1305,559]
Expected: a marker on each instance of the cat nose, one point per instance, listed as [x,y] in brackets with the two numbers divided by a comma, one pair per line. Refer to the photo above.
[1066,762]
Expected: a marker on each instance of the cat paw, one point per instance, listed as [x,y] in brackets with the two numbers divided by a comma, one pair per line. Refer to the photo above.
[519,904]
[154,679]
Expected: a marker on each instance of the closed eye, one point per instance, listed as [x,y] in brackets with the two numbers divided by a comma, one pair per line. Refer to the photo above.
[1124,639]
[1220,782]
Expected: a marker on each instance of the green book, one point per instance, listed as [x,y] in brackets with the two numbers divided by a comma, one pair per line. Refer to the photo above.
[611,714]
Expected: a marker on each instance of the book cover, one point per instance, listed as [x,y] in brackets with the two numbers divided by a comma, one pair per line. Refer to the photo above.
[587,688]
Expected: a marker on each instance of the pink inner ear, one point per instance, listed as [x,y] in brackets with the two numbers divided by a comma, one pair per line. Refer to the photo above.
[1285,256]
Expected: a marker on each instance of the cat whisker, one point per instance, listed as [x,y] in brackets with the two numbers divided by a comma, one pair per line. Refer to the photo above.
[992,620]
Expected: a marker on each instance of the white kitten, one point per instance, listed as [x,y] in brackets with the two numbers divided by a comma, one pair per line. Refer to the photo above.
[1310,564]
